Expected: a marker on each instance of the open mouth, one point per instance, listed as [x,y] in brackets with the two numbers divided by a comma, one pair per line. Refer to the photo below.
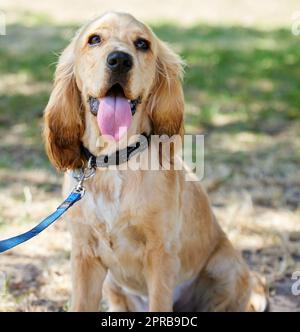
[115,90]
[114,111]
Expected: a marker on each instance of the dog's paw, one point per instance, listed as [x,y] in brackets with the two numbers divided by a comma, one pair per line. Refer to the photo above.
[259,301]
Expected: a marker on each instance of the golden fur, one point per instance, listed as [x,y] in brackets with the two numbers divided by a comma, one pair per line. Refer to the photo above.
[146,240]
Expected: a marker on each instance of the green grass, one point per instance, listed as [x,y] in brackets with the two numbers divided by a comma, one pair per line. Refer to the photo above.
[248,76]
[250,72]
[241,90]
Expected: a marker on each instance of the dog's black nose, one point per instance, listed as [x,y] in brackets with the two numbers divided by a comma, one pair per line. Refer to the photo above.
[120,62]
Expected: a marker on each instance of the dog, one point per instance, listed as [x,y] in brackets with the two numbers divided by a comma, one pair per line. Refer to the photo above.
[141,239]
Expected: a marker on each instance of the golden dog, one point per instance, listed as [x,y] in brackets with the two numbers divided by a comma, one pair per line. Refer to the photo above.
[145,240]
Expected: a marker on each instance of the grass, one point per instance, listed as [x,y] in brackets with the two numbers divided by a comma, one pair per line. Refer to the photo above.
[242,71]
[240,82]
[242,92]
[237,79]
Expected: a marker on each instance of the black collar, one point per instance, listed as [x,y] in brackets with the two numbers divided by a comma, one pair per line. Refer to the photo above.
[118,157]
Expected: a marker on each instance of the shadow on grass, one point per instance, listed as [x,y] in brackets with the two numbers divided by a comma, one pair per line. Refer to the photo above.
[248,76]
[238,70]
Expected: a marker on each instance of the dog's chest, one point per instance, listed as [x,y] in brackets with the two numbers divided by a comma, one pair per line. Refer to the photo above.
[107,201]
[121,240]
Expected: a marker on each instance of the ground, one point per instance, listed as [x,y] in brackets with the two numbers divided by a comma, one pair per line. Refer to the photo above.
[242,92]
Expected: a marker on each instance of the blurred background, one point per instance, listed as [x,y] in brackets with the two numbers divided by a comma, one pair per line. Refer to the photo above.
[242,87]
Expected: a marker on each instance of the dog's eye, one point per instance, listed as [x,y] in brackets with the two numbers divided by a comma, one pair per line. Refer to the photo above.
[141,44]
[94,40]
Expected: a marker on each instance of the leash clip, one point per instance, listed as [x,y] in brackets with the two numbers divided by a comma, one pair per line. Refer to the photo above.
[86,173]
[79,187]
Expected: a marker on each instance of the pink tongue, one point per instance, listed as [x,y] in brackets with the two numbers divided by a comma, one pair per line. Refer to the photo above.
[114,116]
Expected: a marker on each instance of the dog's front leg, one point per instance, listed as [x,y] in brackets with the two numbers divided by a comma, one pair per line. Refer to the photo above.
[88,274]
[161,273]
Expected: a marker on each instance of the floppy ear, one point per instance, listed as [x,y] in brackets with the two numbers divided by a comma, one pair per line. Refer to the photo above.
[166,102]
[64,124]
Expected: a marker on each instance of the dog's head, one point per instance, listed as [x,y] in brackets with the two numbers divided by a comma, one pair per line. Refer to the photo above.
[115,76]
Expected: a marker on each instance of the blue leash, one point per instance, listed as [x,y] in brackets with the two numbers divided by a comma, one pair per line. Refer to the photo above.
[76,194]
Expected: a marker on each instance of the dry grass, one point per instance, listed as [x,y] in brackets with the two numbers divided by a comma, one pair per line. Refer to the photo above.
[241,91]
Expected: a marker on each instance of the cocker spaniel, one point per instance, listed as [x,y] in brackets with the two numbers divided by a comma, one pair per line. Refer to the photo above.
[142,239]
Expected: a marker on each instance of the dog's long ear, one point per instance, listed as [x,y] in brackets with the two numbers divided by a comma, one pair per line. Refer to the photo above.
[166,102]
[64,123]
